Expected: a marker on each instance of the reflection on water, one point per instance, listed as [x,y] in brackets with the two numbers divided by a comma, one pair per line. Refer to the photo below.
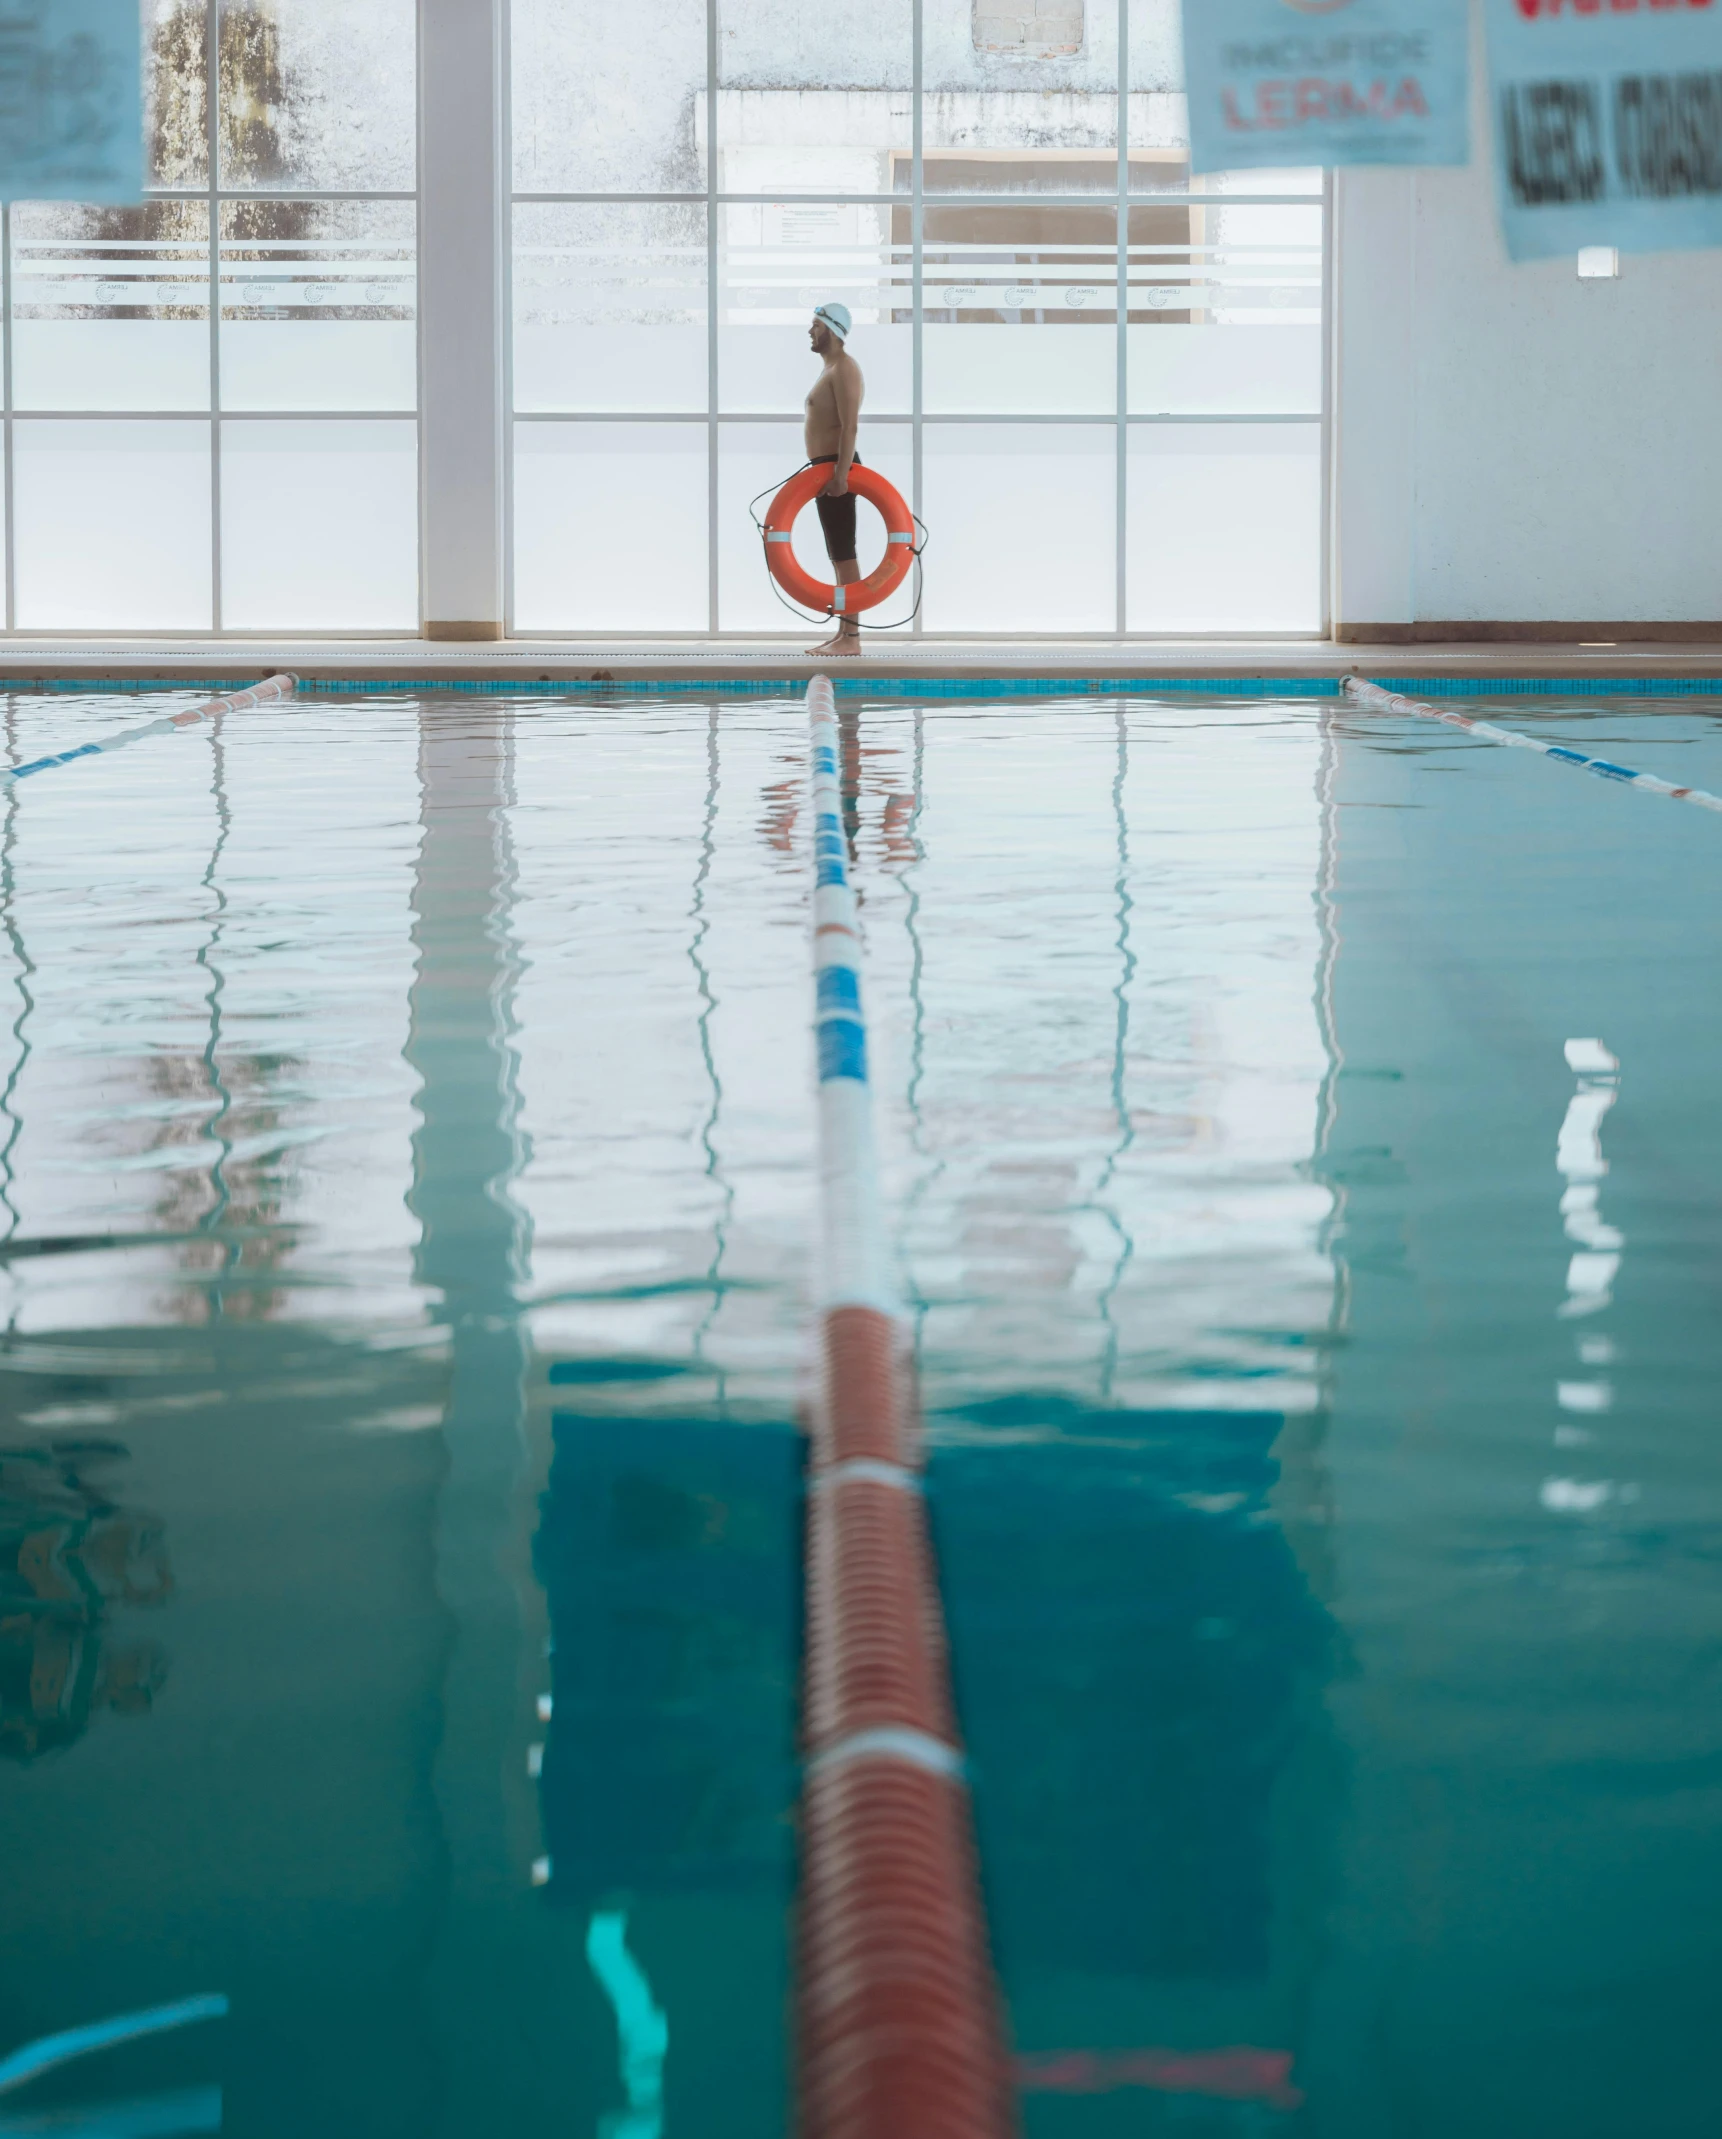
[1529,1863]
[669,1552]
[1141,1669]
[70,1557]
[405,1185]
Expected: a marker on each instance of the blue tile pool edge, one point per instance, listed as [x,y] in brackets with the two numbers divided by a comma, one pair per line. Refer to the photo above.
[904,686]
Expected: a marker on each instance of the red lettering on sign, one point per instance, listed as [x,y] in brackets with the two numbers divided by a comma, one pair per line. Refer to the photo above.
[1314,99]
[1545,10]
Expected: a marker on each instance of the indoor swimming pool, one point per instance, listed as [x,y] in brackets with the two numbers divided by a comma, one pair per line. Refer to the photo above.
[1303,1173]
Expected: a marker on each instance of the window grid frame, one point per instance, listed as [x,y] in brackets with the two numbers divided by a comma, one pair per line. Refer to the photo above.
[214,195]
[1121,420]
[714,199]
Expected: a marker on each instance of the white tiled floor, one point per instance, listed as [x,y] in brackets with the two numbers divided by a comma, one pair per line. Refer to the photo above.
[638,659]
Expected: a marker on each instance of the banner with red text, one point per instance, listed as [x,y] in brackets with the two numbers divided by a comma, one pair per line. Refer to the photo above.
[1608,123]
[1289,82]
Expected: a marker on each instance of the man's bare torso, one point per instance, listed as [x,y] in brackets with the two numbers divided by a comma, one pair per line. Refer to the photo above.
[824,420]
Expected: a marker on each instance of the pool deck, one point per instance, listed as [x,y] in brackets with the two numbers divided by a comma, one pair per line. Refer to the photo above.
[120,660]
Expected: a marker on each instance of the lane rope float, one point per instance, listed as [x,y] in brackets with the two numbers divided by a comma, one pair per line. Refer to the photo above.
[822,595]
[1380,701]
[267,692]
[900,2032]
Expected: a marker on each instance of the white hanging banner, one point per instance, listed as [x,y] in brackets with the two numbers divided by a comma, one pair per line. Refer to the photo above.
[1281,83]
[1608,123]
[71,100]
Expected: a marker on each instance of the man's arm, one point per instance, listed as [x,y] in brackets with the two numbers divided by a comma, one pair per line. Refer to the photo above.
[846,385]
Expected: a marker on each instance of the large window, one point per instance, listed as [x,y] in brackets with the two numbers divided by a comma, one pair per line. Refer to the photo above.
[1100,380]
[210,400]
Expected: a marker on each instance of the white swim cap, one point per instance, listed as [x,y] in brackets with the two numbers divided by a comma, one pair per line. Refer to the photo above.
[836,317]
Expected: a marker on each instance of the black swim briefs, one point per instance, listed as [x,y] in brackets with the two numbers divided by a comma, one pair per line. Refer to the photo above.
[837,517]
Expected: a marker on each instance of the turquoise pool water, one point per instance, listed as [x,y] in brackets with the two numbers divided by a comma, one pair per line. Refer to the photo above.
[1303,1139]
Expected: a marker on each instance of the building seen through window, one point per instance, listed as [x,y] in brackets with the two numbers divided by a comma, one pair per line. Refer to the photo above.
[1029,29]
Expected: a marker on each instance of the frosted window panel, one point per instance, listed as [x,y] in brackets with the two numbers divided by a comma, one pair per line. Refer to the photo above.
[318,305]
[1022,521]
[1225,527]
[1306,181]
[319,93]
[608,98]
[1250,265]
[1225,371]
[781,128]
[777,264]
[1225,309]
[989,370]
[176,93]
[610,308]
[1040,120]
[110,307]
[610,527]
[111,526]
[319,526]
[1021,307]
[760,457]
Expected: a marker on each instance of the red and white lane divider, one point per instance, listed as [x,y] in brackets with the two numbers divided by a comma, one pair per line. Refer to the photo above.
[900,2029]
[1380,701]
[264,693]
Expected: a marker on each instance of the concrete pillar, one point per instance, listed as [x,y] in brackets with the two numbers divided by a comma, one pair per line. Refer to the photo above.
[1374,402]
[463,225]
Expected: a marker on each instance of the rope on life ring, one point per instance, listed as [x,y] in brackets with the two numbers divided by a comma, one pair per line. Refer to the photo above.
[820,595]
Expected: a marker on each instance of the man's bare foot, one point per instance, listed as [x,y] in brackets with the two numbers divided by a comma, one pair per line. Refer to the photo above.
[846,645]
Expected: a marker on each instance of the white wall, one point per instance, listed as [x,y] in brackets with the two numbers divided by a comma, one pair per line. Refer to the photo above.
[1514,445]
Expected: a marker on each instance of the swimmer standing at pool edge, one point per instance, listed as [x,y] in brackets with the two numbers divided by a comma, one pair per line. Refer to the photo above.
[833,425]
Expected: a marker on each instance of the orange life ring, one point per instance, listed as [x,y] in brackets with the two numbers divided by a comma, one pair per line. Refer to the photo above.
[880,584]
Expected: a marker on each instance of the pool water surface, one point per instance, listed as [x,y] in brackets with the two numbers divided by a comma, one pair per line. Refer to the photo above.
[1301,1134]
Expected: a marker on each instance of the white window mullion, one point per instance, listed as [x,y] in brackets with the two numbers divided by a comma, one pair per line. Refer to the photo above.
[1121,499]
[6,396]
[917,278]
[212,149]
[713,299]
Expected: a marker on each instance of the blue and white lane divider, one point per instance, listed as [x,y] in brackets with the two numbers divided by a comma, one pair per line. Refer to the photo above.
[260,694]
[1380,701]
[857,1270]
[899,2031]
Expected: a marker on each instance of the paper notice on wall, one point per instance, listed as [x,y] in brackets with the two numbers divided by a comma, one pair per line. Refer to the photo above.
[71,100]
[1608,123]
[1297,82]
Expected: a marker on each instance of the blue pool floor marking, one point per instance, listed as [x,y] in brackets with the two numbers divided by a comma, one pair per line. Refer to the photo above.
[50,2051]
[642,2027]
